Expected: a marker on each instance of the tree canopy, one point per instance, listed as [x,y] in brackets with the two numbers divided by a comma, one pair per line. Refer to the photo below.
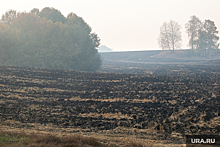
[48,39]
[202,36]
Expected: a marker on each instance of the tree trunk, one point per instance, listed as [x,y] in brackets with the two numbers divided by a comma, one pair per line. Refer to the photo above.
[192,41]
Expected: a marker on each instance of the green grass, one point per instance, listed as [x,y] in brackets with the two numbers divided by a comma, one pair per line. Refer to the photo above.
[9,138]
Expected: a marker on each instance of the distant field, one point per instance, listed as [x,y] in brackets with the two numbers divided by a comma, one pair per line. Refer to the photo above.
[165,103]
[157,57]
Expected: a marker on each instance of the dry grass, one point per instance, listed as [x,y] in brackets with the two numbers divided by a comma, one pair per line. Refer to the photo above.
[10,139]
[17,139]
[118,137]
[113,100]
[14,139]
[106,115]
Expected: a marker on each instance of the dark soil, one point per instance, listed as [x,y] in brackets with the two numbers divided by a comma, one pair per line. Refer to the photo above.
[181,99]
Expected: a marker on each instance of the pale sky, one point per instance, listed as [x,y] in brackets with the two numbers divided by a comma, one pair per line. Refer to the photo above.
[125,25]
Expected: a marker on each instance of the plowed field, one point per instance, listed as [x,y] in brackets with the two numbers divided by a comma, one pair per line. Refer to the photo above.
[167,102]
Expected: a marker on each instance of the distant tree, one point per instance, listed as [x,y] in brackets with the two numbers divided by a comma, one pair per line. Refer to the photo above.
[170,36]
[9,43]
[95,39]
[52,14]
[193,27]
[71,15]
[86,40]
[74,20]
[104,48]
[9,16]
[35,11]
[32,40]
[208,39]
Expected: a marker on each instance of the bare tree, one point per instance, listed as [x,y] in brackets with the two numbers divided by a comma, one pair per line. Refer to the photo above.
[170,36]
[193,27]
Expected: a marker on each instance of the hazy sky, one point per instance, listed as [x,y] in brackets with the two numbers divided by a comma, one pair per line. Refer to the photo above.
[126,25]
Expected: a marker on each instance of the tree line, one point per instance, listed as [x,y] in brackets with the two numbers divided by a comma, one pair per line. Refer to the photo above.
[48,39]
[203,36]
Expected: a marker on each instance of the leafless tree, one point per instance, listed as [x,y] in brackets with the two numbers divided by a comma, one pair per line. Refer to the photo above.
[170,36]
[193,27]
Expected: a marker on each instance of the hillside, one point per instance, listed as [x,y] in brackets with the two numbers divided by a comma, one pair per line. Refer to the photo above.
[156,56]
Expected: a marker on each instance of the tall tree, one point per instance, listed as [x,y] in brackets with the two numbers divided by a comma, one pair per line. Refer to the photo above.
[34,40]
[193,27]
[208,39]
[86,40]
[170,36]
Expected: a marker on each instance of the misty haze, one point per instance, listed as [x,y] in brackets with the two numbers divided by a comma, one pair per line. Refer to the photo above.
[61,87]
